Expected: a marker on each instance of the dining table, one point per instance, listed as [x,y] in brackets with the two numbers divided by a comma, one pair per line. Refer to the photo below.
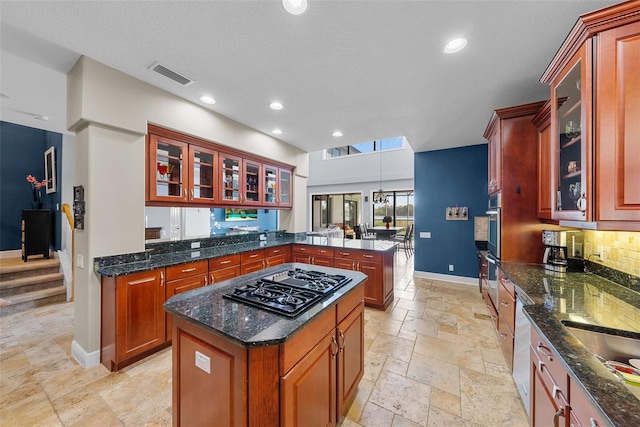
[384,233]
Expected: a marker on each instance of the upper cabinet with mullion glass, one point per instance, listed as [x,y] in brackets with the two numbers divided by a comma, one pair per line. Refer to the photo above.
[595,82]
[202,182]
[276,186]
[166,171]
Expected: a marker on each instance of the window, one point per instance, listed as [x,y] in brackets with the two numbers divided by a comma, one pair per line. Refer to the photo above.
[400,208]
[335,209]
[365,147]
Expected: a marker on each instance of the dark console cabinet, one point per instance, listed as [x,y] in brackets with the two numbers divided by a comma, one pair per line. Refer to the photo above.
[36,232]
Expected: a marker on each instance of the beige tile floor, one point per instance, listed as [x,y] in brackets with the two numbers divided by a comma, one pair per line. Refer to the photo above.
[432,359]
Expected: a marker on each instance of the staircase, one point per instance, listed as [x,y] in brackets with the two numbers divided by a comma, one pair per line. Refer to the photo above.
[25,285]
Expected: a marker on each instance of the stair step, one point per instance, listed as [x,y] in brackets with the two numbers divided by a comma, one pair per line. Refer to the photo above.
[30,284]
[15,268]
[22,302]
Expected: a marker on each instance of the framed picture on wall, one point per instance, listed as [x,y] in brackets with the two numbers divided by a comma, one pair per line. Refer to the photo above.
[50,169]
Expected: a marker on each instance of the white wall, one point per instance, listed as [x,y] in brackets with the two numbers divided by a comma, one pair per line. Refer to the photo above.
[109,111]
[360,173]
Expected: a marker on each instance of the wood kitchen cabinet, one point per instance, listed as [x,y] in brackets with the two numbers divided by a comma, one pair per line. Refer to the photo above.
[506,316]
[132,318]
[224,268]
[276,186]
[495,160]
[378,266]
[277,255]
[182,170]
[315,255]
[182,278]
[252,261]
[310,379]
[549,403]
[241,183]
[542,122]
[178,171]
[594,126]
[512,130]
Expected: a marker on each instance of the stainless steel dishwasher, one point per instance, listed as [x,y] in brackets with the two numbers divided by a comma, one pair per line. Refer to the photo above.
[521,358]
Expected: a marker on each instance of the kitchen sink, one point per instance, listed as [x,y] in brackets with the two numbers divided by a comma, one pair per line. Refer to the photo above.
[606,343]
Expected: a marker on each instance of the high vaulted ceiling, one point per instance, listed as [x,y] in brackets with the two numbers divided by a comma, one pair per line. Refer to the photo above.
[372,69]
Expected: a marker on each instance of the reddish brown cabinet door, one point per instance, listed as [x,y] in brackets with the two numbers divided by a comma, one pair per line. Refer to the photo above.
[373,290]
[350,357]
[179,286]
[617,147]
[543,407]
[308,390]
[542,121]
[167,172]
[140,320]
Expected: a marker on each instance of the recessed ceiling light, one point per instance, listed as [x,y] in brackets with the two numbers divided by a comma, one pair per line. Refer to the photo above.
[455,45]
[337,134]
[207,99]
[275,105]
[276,132]
[295,7]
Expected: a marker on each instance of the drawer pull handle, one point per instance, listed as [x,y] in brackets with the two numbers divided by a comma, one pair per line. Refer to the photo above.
[334,347]
[277,251]
[322,251]
[344,253]
[368,256]
[542,349]
[187,270]
[225,262]
[253,256]
[556,417]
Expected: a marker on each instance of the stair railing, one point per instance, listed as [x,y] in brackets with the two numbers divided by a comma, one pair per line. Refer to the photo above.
[69,235]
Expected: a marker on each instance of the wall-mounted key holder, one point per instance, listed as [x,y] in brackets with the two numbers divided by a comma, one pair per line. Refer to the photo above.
[457,213]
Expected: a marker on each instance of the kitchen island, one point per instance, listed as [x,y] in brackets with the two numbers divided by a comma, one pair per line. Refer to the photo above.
[237,365]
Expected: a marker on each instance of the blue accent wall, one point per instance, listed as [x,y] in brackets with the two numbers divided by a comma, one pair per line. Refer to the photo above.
[443,178]
[22,153]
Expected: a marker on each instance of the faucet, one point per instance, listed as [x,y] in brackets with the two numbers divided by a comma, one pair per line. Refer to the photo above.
[588,258]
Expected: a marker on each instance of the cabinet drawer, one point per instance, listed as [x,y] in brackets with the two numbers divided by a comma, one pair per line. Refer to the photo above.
[349,302]
[506,308]
[312,250]
[252,256]
[548,362]
[359,255]
[224,262]
[508,284]
[506,341]
[222,274]
[185,270]
[302,342]
[278,250]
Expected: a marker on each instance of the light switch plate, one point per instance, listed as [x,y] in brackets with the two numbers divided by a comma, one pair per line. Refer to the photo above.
[425,234]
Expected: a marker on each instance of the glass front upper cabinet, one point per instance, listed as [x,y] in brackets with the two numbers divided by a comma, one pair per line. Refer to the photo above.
[571,139]
[202,184]
[285,186]
[167,176]
[270,185]
[230,175]
[252,182]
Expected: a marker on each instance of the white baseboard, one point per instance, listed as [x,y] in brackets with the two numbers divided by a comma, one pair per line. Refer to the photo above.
[447,277]
[86,360]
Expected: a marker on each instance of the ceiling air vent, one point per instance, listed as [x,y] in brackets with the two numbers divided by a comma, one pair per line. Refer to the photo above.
[178,78]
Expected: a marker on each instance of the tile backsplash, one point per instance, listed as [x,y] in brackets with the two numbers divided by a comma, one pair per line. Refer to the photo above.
[621,249]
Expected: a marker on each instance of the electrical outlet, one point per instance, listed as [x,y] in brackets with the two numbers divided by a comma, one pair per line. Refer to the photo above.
[80,261]
[450,267]
[600,253]
[195,245]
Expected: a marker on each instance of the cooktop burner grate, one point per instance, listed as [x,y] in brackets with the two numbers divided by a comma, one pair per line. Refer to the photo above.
[289,293]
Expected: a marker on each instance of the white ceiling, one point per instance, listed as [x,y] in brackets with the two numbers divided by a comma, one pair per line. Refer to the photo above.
[372,69]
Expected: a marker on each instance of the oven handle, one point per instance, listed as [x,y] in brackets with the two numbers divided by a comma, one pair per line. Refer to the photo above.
[496,212]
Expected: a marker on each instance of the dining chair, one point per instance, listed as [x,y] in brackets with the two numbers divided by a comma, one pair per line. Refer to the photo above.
[365,234]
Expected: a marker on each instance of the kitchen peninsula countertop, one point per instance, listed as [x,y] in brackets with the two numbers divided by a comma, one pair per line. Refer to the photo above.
[119,265]
[572,296]
[244,324]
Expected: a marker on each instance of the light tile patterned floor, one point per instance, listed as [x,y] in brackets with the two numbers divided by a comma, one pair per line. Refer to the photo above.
[432,359]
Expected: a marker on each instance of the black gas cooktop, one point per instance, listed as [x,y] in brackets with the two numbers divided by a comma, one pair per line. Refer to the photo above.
[289,293]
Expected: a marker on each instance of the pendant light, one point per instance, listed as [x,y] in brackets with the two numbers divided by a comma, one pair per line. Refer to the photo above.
[379,197]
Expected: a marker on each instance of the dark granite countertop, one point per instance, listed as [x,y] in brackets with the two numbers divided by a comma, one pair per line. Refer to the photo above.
[246,325]
[119,265]
[586,298]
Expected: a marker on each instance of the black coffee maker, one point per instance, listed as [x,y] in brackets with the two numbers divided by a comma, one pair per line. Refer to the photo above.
[563,250]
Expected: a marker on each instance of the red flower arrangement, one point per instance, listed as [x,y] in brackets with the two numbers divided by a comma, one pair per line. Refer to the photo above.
[35,187]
